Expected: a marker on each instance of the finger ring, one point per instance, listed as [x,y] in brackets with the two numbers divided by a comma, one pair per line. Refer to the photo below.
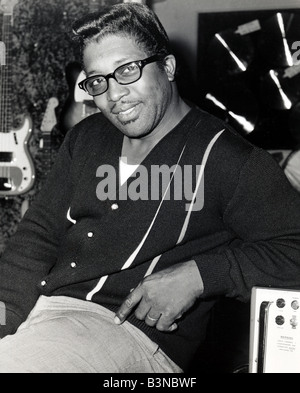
[152,319]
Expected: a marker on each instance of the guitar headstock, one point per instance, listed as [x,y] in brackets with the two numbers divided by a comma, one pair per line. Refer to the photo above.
[7,6]
[49,120]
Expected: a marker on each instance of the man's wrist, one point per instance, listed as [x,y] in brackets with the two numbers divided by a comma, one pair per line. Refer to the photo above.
[195,272]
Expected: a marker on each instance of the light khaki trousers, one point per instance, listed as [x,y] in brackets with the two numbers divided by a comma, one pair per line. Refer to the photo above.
[67,335]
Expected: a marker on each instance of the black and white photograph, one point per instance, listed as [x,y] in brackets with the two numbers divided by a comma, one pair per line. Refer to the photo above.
[150,189]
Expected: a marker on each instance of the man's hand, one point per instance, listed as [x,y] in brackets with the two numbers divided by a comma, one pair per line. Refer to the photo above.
[162,298]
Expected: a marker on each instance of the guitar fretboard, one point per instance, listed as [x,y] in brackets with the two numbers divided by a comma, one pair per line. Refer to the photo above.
[5,77]
[47,154]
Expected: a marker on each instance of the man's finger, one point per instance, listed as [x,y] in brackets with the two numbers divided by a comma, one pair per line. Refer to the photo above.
[127,306]
[167,323]
[166,328]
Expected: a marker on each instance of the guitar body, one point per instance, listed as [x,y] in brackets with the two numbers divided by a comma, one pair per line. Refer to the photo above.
[49,121]
[17,173]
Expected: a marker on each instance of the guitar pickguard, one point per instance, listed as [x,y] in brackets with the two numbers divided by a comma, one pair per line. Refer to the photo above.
[17,174]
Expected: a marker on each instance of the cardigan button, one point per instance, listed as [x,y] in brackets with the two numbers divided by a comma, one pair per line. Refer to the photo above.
[43,283]
[91,234]
[115,206]
[73,265]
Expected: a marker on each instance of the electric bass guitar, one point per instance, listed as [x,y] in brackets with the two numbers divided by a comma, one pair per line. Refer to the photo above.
[45,150]
[17,172]
[48,123]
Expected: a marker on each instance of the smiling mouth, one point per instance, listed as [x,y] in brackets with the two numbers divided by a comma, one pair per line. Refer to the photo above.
[127,112]
[127,115]
[124,108]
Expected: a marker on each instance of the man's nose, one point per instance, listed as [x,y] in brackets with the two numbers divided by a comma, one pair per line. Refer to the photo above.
[116,91]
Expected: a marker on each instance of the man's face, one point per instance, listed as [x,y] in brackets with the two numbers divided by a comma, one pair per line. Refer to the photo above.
[137,109]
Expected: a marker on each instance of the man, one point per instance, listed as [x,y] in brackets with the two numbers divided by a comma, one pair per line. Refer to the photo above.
[113,269]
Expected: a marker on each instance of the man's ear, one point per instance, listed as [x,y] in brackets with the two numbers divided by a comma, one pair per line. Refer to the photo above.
[170,67]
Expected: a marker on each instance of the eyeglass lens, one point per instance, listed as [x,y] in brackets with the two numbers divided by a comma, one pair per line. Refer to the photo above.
[125,74]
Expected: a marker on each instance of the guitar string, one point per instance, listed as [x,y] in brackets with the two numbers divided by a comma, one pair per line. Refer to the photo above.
[1,88]
[5,86]
[5,125]
[2,91]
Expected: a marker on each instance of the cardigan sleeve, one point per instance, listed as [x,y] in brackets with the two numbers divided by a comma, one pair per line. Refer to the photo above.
[32,251]
[264,217]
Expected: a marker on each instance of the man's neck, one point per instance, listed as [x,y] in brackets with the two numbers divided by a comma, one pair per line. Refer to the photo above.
[137,149]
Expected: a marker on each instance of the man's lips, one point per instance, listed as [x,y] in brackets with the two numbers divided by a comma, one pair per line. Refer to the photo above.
[124,110]
[127,111]
[126,114]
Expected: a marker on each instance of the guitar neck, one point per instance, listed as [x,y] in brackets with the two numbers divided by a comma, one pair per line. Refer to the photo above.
[47,154]
[48,123]
[5,78]
[47,144]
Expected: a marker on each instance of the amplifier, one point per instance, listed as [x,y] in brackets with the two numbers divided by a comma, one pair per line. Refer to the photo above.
[274,331]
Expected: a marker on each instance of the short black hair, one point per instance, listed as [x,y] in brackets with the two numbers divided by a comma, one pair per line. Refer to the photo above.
[133,20]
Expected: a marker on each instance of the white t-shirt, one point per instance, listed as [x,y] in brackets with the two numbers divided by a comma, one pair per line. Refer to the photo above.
[126,170]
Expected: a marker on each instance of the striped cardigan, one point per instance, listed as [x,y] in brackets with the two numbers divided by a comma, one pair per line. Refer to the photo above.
[240,223]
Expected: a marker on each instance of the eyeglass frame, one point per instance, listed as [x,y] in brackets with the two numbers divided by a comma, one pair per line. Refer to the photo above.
[140,63]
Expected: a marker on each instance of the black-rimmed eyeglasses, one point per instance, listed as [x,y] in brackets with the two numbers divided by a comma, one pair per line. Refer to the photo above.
[125,75]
